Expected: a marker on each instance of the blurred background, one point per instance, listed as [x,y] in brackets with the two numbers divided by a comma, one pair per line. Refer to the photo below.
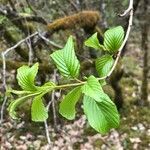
[55,20]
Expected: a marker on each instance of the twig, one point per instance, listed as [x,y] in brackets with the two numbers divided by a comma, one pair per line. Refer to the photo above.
[47,133]
[2,109]
[53,103]
[4,71]
[48,41]
[30,52]
[19,43]
[46,125]
[48,105]
[130,11]
[4,87]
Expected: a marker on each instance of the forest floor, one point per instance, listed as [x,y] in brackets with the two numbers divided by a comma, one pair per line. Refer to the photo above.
[132,134]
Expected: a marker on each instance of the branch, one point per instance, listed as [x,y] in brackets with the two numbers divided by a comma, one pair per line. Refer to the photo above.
[11,40]
[50,42]
[19,43]
[47,133]
[2,109]
[130,11]
[53,103]
[30,61]
[4,89]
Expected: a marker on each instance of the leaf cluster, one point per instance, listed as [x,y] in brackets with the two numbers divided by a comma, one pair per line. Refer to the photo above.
[100,111]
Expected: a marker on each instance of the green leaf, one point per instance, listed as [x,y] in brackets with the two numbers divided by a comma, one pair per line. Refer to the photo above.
[60,63]
[113,39]
[104,65]
[47,87]
[39,112]
[94,42]
[102,116]
[70,58]
[26,76]
[66,60]
[93,89]
[67,106]
[14,104]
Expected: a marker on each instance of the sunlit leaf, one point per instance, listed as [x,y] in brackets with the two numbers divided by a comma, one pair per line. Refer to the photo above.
[67,106]
[39,112]
[60,63]
[26,76]
[15,103]
[66,60]
[113,39]
[104,65]
[93,89]
[94,42]
[102,116]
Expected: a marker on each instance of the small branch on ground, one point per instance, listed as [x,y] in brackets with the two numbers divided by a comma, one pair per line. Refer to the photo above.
[47,133]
